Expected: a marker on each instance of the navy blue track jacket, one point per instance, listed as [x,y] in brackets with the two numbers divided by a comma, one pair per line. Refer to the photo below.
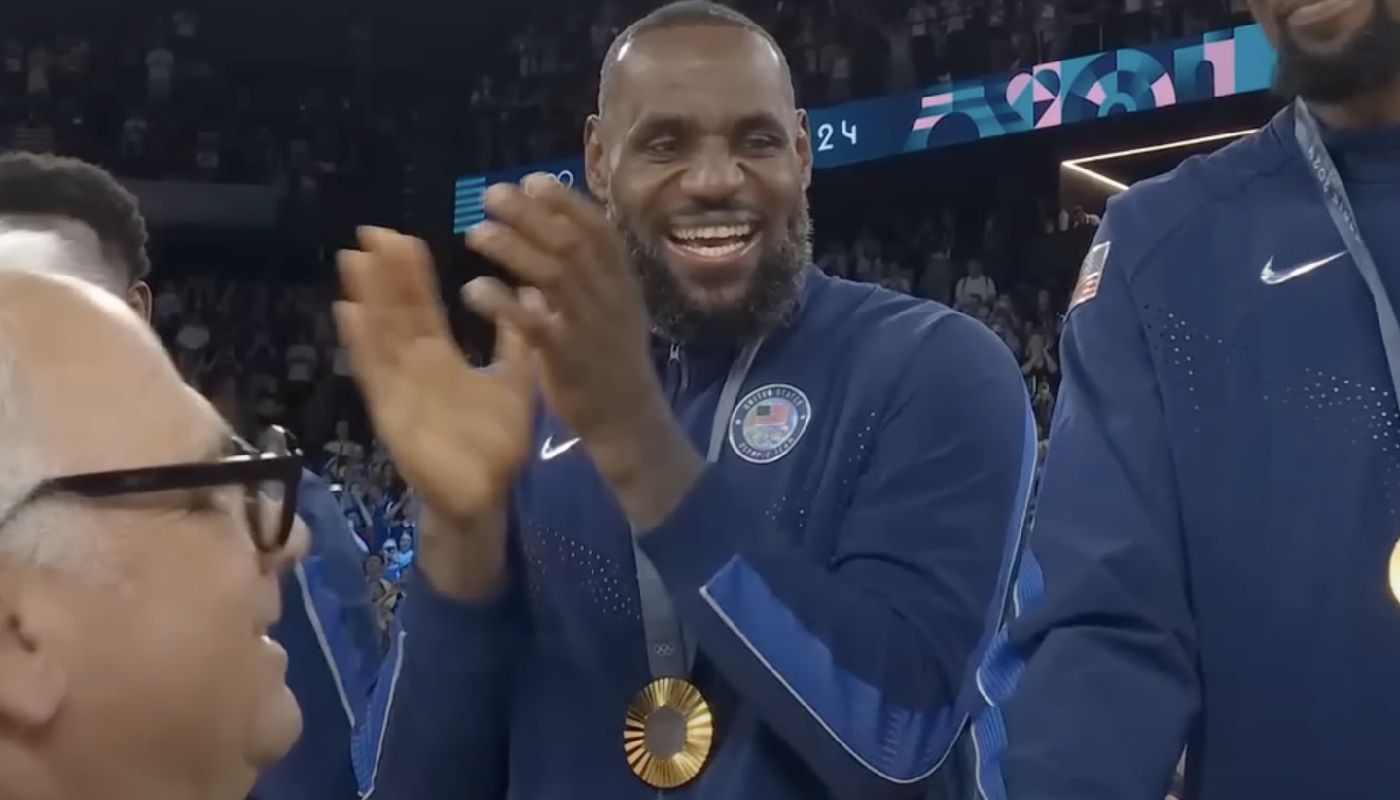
[329,631]
[837,592]
[1207,567]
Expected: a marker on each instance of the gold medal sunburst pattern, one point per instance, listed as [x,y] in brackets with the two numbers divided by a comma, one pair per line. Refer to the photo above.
[668,770]
[1395,572]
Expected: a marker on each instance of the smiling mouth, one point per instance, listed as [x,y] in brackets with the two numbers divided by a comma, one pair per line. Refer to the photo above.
[713,242]
[1316,11]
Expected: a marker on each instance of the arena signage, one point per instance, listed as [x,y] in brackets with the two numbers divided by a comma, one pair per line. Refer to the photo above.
[1216,64]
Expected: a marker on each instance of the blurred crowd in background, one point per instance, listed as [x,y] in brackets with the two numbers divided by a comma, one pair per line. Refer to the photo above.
[149,101]
[531,103]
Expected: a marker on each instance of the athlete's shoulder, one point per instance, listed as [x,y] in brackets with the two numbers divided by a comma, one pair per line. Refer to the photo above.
[873,328]
[864,309]
[1176,209]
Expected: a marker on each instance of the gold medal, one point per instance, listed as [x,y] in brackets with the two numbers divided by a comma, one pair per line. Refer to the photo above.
[668,733]
[1395,572]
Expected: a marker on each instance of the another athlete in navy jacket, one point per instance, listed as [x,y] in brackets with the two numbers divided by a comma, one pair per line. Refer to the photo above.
[830,569]
[1208,564]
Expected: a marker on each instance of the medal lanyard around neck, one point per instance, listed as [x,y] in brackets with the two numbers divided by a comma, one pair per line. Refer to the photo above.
[668,653]
[1334,192]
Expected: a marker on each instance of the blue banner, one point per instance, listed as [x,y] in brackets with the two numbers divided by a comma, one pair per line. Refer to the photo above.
[1213,65]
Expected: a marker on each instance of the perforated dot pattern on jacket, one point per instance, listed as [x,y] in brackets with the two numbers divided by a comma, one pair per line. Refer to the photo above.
[1186,353]
[1362,413]
[859,454]
[552,556]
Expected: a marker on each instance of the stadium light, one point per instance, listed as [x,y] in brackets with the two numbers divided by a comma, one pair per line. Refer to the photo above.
[1097,177]
[1076,165]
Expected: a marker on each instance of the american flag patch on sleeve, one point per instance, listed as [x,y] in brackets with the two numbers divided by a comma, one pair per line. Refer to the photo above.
[1090,275]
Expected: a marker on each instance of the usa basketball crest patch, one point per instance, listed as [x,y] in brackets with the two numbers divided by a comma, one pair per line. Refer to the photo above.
[769,422]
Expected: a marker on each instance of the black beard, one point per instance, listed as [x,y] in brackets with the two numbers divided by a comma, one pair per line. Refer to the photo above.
[769,303]
[1369,63]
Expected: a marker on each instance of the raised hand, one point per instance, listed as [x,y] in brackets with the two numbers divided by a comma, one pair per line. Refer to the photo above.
[584,317]
[458,435]
[584,313]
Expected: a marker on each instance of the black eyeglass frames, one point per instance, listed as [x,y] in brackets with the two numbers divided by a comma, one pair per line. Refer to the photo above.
[270,477]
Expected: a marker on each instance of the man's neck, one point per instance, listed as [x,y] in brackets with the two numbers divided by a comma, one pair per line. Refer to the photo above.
[1375,109]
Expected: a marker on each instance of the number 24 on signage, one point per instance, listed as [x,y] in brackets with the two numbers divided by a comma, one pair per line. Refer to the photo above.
[826,131]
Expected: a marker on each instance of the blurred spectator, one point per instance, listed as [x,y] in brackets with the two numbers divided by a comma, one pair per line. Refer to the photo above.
[37,85]
[167,308]
[207,160]
[1005,323]
[1043,405]
[384,593]
[393,561]
[134,130]
[301,370]
[975,286]
[343,453]
[1040,365]
[1004,312]
[1078,218]
[936,282]
[160,74]
[186,25]
[13,63]
[192,340]
[1044,316]
[836,70]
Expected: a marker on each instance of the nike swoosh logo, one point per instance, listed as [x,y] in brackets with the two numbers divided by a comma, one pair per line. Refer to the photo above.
[1273,278]
[549,452]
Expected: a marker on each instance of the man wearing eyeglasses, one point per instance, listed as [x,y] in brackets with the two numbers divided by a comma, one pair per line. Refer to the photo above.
[141,549]
[63,216]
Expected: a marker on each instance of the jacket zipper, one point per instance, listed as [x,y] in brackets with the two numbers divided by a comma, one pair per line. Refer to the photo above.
[677,376]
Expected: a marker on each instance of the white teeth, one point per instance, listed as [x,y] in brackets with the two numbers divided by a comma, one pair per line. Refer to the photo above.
[712,232]
[716,251]
[713,241]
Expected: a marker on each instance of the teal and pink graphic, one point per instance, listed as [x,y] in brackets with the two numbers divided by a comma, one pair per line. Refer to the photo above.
[1218,64]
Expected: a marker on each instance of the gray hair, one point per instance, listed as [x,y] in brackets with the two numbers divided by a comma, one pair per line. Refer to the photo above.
[34,535]
[46,246]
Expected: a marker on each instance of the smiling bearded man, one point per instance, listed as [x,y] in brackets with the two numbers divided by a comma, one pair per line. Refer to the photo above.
[764,568]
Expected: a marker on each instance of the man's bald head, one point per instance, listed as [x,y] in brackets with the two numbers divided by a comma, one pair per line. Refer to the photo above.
[681,14]
[150,605]
[83,382]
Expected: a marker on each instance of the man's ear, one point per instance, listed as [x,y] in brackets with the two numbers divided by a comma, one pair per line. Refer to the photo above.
[32,683]
[139,298]
[595,157]
[803,144]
